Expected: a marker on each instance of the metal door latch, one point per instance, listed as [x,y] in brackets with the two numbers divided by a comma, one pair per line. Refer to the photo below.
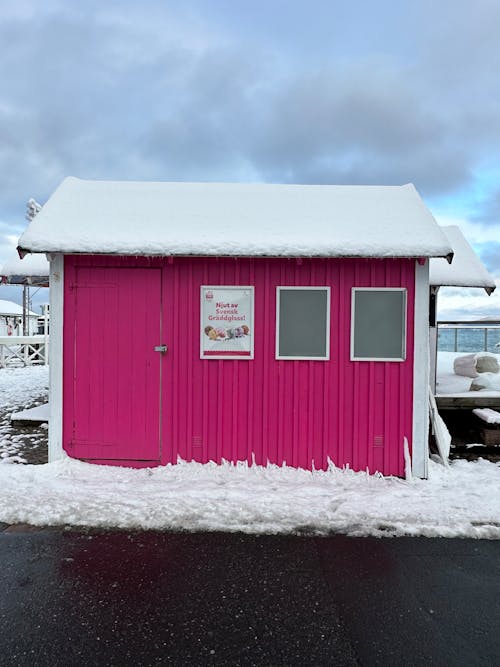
[161,348]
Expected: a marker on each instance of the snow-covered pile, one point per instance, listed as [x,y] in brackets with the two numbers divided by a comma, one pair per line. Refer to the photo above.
[482,367]
[488,415]
[471,365]
[448,382]
[460,501]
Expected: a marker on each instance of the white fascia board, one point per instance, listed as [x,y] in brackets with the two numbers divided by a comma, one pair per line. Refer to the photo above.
[420,436]
[56,357]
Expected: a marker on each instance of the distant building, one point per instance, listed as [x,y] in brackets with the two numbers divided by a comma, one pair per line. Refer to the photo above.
[11,319]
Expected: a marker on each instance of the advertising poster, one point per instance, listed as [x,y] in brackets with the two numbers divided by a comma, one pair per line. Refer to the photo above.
[226,322]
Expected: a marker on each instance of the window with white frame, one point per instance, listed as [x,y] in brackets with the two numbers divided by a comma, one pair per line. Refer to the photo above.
[303,323]
[378,324]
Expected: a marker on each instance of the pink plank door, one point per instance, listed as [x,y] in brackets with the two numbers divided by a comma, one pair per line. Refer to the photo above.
[115,374]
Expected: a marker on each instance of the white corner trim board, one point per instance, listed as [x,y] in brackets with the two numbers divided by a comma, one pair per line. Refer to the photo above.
[56,282]
[420,449]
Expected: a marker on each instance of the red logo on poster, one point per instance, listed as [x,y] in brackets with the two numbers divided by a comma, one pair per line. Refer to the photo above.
[209,295]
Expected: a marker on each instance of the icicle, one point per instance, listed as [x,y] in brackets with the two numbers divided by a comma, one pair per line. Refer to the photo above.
[408,473]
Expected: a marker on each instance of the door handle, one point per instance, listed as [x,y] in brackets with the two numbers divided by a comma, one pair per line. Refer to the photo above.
[161,348]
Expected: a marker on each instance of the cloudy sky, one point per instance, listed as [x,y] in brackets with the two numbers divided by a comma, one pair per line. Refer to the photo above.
[313,91]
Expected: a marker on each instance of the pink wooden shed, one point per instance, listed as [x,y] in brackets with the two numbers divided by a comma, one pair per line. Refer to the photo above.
[282,324]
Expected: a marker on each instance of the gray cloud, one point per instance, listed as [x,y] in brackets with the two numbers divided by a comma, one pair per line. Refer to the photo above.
[366,125]
[490,255]
[368,94]
[8,236]
[489,209]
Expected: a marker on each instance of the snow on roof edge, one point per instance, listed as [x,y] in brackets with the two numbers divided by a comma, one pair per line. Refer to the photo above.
[33,270]
[235,219]
[264,255]
[467,270]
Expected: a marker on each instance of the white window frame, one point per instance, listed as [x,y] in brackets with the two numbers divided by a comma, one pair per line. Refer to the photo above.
[327,342]
[353,320]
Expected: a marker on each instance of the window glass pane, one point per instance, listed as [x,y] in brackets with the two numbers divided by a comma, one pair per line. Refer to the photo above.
[379,321]
[302,328]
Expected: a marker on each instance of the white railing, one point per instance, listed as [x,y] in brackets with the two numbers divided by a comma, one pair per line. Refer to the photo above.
[24,350]
[469,336]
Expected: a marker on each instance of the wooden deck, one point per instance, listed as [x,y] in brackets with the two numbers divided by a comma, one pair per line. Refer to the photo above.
[451,402]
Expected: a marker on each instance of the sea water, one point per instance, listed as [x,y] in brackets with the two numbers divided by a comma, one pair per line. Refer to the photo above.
[469,339]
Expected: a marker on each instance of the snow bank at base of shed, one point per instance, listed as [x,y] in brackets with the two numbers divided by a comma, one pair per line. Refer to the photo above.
[460,501]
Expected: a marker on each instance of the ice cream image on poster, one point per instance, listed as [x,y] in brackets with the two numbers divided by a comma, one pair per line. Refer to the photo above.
[226,322]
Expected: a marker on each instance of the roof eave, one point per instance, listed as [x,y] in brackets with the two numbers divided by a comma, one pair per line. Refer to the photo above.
[22,251]
[489,289]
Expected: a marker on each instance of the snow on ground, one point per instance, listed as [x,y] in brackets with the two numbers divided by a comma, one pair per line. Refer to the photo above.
[21,388]
[460,501]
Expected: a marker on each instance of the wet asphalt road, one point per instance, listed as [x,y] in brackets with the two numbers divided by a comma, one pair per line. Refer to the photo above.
[69,597]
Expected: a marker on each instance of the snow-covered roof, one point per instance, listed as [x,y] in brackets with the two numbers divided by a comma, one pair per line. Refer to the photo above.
[32,269]
[466,270]
[13,309]
[235,219]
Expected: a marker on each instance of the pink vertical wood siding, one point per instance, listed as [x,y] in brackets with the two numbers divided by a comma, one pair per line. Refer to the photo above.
[296,412]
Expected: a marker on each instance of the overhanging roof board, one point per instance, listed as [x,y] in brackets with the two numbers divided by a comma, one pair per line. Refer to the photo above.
[31,270]
[466,270]
[235,219]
